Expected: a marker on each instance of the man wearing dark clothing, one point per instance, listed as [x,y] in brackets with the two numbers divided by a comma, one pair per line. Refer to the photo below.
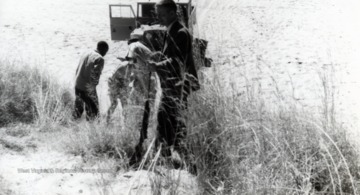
[177,74]
[87,78]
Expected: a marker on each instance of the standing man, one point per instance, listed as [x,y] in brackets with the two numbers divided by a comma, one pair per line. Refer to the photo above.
[87,78]
[178,78]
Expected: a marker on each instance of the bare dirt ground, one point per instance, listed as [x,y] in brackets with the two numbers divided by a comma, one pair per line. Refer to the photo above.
[291,43]
[264,45]
[37,164]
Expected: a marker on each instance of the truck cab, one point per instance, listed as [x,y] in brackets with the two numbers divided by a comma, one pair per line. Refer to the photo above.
[125,24]
[123,19]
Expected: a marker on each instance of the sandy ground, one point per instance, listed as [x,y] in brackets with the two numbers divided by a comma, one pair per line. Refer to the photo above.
[287,41]
[280,46]
[35,163]
[286,46]
[53,35]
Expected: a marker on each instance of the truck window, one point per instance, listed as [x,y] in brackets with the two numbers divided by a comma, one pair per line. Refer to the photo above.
[147,11]
[121,12]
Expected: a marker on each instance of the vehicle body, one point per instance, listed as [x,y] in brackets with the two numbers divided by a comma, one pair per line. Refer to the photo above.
[125,24]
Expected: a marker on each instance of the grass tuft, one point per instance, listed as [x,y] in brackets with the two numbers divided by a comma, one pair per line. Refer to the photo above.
[241,145]
[29,95]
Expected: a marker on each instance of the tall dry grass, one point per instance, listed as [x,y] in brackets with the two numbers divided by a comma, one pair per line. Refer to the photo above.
[243,145]
[29,95]
[238,142]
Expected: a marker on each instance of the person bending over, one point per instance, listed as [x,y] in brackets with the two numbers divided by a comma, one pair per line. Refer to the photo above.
[87,78]
[130,82]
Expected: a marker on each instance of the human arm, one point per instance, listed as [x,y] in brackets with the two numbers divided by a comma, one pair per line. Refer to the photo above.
[177,48]
[173,65]
[98,67]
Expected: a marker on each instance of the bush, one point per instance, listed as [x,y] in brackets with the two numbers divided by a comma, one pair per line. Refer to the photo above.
[99,140]
[241,146]
[28,95]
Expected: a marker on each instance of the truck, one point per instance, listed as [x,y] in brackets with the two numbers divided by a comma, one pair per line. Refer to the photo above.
[125,25]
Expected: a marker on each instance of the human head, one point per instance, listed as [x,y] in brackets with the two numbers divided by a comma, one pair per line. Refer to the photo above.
[102,48]
[166,11]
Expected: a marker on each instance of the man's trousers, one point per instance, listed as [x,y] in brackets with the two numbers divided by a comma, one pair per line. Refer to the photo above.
[171,124]
[87,100]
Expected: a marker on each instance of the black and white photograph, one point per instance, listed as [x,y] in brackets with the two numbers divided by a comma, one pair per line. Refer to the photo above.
[179,97]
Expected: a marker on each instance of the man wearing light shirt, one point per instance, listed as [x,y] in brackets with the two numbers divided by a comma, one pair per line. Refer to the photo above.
[135,72]
[87,78]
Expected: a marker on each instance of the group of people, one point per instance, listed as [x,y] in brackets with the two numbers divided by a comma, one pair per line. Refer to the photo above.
[174,67]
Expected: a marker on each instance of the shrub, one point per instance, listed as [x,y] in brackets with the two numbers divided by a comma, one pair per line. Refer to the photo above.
[28,95]
[241,145]
[16,103]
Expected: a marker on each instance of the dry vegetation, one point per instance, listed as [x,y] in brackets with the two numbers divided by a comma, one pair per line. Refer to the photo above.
[29,95]
[239,143]
[242,145]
